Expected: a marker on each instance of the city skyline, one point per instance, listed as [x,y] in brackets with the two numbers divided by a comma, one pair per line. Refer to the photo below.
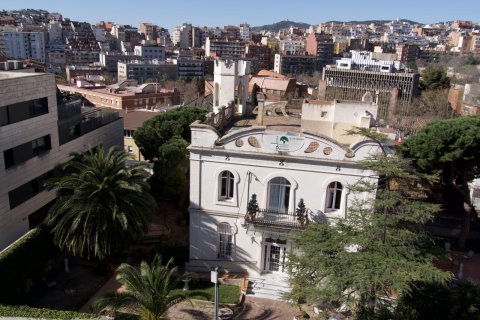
[256,13]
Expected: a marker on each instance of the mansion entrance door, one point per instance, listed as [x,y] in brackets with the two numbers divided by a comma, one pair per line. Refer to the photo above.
[275,255]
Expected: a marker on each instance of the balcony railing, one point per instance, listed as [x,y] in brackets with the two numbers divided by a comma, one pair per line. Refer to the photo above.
[275,219]
[76,124]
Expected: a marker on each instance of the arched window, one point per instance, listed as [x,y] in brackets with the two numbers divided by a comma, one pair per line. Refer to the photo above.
[279,195]
[225,240]
[334,196]
[226,184]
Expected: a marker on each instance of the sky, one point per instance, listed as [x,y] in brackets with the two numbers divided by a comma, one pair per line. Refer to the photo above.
[214,13]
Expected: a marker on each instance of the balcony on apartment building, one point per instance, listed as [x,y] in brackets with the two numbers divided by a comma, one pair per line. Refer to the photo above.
[76,120]
[278,219]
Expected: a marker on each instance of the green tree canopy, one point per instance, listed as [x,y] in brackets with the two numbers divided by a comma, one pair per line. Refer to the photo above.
[452,148]
[170,171]
[434,78]
[159,129]
[164,139]
[372,255]
[102,205]
[147,291]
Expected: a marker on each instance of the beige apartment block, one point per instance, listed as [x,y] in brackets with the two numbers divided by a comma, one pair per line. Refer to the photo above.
[36,134]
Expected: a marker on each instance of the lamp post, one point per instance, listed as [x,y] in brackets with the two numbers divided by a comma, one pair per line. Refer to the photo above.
[214,279]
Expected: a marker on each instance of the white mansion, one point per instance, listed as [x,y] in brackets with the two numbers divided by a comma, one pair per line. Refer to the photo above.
[280,159]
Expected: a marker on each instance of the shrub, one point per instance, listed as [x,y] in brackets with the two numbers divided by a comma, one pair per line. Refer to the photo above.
[23,263]
[28,312]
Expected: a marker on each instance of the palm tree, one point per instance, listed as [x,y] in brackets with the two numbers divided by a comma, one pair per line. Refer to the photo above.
[102,205]
[147,291]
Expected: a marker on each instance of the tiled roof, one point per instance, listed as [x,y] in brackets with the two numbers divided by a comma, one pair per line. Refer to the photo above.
[134,119]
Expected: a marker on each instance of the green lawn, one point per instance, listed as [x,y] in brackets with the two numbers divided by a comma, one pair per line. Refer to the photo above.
[205,291]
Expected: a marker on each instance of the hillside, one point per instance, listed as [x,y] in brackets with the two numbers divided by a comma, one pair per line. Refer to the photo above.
[281,25]
[372,21]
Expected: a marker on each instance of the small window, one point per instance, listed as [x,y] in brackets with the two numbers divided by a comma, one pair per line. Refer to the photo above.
[225,240]
[227,184]
[129,149]
[334,196]
[324,114]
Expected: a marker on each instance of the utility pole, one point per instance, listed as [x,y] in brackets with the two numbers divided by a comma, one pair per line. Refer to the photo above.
[214,279]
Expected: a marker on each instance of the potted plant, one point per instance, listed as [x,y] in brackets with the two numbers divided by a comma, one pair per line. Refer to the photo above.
[300,212]
[252,208]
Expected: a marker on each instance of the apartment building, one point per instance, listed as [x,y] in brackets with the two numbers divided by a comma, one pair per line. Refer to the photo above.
[24,45]
[110,60]
[142,71]
[149,31]
[321,46]
[190,67]
[150,52]
[407,52]
[38,132]
[260,54]
[126,94]
[294,64]
[224,48]
[245,32]
[83,46]
[292,46]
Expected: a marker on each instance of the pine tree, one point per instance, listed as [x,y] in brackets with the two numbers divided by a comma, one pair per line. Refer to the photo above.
[376,252]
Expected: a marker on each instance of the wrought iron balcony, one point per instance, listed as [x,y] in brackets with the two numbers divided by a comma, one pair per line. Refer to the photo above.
[275,219]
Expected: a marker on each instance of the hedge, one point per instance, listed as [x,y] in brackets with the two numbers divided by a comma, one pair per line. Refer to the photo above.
[23,263]
[28,312]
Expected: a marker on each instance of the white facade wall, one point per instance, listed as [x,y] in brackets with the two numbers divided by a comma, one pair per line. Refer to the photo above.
[23,87]
[309,175]
[25,45]
[55,33]
[333,120]
[150,52]
[292,46]
[230,76]
[245,32]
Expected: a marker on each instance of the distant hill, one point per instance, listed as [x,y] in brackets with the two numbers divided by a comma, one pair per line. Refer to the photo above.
[281,25]
[373,21]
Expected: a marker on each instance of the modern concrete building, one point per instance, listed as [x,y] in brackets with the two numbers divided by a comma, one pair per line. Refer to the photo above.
[38,132]
[152,70]
[224,48]
[392,90]
[190,67]
[110,60]
[294,64]
[150,52]
[260,54]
